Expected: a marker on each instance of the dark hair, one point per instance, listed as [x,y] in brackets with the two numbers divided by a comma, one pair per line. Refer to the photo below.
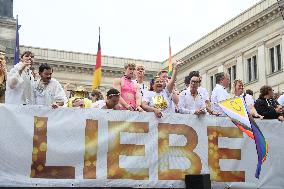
[29,53]
[220,77]
[250,92]
[264,90]
[113,92]
[43,67]
[186,80]
[192,74]
[98,94]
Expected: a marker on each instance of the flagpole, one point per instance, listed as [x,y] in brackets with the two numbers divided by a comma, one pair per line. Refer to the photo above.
[17,45]
[170,59]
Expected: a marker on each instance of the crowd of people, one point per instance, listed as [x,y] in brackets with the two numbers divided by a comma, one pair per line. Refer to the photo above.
[130,92]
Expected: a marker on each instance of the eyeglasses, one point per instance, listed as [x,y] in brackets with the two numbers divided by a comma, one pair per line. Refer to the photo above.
[193,82]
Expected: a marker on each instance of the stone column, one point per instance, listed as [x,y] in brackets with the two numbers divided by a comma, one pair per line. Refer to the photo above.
[240,67]
[261,67]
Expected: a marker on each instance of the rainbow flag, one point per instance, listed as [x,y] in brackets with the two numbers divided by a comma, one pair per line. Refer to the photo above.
[97,75]
[236,110]
[170,72]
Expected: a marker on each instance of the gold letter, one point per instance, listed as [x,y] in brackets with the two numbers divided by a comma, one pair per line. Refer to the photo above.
[215,154]
[38,168]
[116,149]
[91,143]
[184,151]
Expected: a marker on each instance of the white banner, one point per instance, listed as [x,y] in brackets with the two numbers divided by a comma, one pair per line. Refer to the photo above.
[40,146]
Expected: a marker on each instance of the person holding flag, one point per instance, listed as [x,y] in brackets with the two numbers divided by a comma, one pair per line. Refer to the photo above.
[20,81]
[160,99]
[238,91]
[236,110]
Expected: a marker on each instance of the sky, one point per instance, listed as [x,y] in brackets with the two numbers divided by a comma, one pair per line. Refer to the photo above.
[138,29]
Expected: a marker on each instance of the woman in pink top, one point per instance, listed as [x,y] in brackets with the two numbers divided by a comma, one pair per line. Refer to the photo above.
[130,92]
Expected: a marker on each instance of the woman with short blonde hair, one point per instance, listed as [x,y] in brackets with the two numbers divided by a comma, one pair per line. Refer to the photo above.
[238,91]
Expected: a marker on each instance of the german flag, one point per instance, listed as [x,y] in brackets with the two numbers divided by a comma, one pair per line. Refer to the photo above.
[97,75]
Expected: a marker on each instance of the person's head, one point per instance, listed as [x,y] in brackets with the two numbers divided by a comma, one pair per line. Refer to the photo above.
[140,71]
[158,84]
[193,82]
[223,79]
[27,56]
[238,88]
[250,92]
[112,98]
[78,102]
[129,69]
[80,92]
[163,74]
[96,95]
[266,92]
[45,72]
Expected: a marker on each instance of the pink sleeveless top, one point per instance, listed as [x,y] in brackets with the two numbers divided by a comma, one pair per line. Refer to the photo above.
[128,92]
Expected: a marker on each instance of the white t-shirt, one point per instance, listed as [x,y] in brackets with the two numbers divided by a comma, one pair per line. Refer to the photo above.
[100,104]
[249,100]
[52,92]
[281,100]
[189,104]
[203,92]
[219,94]
[161,101]
[143,87]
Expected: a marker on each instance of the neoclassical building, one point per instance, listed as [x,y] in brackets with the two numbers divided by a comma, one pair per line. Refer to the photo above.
[248,47]
[76,68]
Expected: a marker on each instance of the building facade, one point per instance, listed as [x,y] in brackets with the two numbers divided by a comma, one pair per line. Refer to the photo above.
[76,68]
[249,47]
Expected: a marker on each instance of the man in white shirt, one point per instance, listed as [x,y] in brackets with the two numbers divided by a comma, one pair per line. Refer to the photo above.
[201,90]
[190,100]
[48,91]
[281,100]
[20,81]
[140,76]
[220,93]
